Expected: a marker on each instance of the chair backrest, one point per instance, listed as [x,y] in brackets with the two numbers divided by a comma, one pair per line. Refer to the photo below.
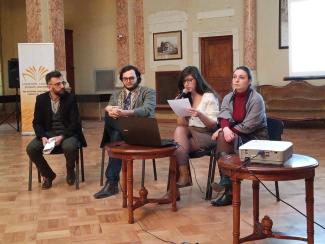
[275,129]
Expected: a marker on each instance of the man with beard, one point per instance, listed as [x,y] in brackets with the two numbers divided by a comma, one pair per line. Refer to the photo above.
[132,100]
[56,116]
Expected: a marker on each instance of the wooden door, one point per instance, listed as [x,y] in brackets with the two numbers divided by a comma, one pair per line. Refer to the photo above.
[217,62]
[69,58]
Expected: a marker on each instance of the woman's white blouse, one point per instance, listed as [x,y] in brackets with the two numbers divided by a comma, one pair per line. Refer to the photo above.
[209,106]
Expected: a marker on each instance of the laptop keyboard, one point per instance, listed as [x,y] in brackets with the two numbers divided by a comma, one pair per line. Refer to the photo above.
[168,142]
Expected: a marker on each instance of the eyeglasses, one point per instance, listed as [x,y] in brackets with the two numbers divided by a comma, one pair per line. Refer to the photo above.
[60,83]
[131,78]
[189,80]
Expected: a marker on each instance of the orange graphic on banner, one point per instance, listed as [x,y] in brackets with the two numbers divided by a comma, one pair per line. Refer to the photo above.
[33,84]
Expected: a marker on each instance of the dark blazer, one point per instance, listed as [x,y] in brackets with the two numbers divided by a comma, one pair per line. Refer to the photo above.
[69,114]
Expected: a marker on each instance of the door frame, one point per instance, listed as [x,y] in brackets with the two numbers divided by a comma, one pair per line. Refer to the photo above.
[197,44]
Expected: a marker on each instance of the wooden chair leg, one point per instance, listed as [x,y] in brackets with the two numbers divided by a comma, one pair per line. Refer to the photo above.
[77,170]
[208,187]
[143,173]
[277,191]
[30,175]
[154,169]
[212,170]
[82,164]
[189,172]
[102,167]
[39,176]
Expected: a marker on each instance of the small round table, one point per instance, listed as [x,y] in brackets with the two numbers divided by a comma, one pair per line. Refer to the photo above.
[296,168]
[128,153]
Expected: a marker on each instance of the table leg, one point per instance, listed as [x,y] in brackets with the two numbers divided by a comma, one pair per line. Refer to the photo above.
[124,187]
[309,184]
[172,182]
[236,210]
[130,189]
[256,205]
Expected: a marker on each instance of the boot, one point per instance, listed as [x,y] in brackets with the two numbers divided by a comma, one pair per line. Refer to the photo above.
[224,181]
[109,189]
[184,177]
[225,199]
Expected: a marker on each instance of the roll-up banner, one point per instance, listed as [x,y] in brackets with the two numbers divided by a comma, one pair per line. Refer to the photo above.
[35,61]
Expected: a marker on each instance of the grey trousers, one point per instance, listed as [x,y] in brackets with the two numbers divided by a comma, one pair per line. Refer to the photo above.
[35,152]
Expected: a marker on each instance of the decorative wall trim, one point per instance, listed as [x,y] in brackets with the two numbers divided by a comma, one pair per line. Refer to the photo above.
[139,35]
[122,29]
[235,44]
[216,14]
[163,22]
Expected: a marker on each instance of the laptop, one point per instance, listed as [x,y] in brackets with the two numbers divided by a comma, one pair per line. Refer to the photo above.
[142,131]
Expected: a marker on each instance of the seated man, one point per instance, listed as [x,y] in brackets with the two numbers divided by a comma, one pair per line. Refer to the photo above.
[56,115]
[132,100]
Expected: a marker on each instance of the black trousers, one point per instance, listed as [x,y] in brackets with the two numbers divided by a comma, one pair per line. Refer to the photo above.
[35,152]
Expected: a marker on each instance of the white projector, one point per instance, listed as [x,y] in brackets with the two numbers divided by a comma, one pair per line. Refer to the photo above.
[264,151]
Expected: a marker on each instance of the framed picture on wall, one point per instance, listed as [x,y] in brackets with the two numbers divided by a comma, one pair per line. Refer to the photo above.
[283,24]
[167,45]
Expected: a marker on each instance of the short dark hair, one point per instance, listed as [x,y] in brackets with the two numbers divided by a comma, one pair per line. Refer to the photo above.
[50,75]
[247,70]
[128,68]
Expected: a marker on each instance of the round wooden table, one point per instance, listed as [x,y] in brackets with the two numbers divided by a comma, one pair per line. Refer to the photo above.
[296,168]
[128,153]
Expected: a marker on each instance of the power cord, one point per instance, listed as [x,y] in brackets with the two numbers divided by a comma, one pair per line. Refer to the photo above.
[148,232]
[246,163]
[200,188]
[157,237]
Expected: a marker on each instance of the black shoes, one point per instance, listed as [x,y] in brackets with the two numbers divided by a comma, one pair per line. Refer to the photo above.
[108,190]
[71,177]
[224,200]
[47,182]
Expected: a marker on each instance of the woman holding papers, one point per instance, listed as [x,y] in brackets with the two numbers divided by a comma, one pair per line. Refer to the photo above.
[242,118]
[194,131]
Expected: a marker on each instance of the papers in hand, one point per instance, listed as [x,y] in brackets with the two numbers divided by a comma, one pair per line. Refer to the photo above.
[49,146]
[180,106]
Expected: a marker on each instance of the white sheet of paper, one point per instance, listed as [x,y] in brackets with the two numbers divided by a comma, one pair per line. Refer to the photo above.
[49,146]
[180,106]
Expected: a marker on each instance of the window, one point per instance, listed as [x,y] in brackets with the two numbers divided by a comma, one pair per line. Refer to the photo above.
[306,38]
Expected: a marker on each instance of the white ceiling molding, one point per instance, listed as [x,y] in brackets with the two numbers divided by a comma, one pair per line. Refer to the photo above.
[216,14]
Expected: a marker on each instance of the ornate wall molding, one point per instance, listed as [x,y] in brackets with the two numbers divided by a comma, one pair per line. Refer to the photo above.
[164,22]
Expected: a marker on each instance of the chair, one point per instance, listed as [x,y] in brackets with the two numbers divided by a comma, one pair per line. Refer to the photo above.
[212,167]
[143,163]
[58,150]
[275,130]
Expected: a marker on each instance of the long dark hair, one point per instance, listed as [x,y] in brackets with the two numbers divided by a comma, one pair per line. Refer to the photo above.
[201,85]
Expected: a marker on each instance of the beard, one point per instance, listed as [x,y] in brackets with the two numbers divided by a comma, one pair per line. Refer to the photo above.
[59,93]
[132,88]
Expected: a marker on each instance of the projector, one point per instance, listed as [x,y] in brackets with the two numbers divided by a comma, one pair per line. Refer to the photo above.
[264,151]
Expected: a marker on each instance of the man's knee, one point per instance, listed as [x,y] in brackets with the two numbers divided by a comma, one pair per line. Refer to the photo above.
[69,145]
[34,147]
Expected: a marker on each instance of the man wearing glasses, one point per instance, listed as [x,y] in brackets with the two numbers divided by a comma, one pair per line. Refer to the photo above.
[132,100]
[56,116]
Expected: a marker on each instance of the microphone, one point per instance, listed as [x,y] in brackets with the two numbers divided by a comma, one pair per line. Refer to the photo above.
[182,94]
